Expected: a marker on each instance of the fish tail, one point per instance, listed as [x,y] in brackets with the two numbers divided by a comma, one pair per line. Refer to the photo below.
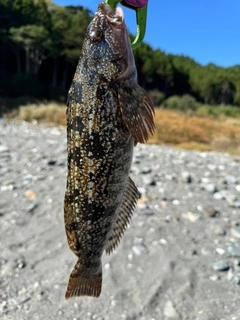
[84,281]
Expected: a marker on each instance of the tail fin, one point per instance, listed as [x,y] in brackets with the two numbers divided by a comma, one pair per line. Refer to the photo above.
[84,282]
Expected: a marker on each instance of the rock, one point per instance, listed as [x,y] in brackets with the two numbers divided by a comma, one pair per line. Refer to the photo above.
[31,208]
[210,187]
[20,263]
[234,233]
[220,231]
[30,194]
[146,211]
[176,202]
[230,180]
[139,249]
[218,196]
[208,211]
[234,248]
[220,251]
[230,274]
[221,265]
[170,312]
[229,196]
[6,188]
[234,204]
[238,188]
[146,170]
[3,149]
[52,162]
[186,177]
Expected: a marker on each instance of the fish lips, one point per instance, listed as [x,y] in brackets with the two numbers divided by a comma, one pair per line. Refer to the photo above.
[115,18]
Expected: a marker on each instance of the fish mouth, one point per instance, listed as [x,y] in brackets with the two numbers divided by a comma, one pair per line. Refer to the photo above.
[115,18]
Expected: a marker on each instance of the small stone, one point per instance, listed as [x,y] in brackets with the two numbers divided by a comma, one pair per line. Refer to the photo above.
[221,265]
[193,217]
[146,211]
[208,211]
[6,188]
[235,204]
[230,180]
[234,233]
[52,162]
[163,241]
[214,277]
[186,177]
[20,263]
[220,231]
[238,188]
[170,312]
[210,187]
[220,251]
[194,252]
[139,249]
[236,280]
[146,170]
[31,208]
[3,149]
[218,196]
[176,202]
[3,307]
[230,274]
[31,195]
[234,249]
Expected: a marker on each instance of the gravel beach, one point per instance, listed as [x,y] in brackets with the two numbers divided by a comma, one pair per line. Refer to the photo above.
[179,259]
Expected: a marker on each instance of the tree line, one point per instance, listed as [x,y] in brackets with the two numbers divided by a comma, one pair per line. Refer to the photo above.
[40,44]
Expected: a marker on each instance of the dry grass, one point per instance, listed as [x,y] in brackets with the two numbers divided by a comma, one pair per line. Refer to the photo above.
[172,127]
[44,113]
[191,132]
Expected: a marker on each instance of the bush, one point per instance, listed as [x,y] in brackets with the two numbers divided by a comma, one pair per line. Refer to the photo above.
[184,103]
[157,97]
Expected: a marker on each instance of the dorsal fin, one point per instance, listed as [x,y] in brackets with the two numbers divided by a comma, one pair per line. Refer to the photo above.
[137,110]
[125,213]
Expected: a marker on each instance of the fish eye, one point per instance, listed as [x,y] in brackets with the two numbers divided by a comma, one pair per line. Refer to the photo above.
[98,35]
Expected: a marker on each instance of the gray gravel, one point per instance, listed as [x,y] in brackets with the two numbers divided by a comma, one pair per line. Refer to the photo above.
[169,265]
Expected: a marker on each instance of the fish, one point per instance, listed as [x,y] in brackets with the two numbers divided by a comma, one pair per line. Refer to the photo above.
[108,113]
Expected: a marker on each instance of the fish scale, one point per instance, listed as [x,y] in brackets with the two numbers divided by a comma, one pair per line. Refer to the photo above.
[104,105]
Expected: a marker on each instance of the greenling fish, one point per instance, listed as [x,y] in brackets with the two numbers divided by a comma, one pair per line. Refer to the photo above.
[108,113]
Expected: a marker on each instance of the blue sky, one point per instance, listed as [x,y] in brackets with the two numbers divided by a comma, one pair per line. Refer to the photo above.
[205,30]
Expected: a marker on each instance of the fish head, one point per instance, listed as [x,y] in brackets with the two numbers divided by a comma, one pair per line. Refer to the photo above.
[107,47]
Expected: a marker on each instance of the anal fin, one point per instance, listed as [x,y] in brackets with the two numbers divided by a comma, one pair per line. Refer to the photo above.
[129,201]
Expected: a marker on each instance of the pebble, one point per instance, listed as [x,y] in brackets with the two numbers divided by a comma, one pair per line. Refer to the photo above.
[210,187]
[139,249]
[146,170]
[238,188]
[208,211]
[20,263]
[234,249]
[234,233]
[220,231]
[170,312]
[220,251]
[176,202]
[230,274]
[218,196]
[186,177]
[221,265]
[230,180]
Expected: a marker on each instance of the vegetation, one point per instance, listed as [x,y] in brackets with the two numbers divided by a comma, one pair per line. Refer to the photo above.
[40,44]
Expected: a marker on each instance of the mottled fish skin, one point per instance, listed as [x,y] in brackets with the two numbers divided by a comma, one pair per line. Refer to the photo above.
[107,114]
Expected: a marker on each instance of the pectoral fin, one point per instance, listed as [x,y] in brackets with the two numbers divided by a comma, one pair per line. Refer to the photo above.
[125,213]
[137,110]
